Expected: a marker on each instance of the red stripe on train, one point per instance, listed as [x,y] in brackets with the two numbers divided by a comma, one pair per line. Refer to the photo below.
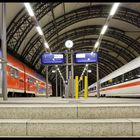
[123,86]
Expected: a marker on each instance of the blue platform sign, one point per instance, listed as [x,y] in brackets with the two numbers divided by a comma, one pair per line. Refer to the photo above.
[52,58]
[86,57]
[0,54]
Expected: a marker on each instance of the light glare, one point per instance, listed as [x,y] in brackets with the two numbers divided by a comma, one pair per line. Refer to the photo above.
[104,29]
[39,30]
[46,45]
[114,9]
[96,45]
[29,9]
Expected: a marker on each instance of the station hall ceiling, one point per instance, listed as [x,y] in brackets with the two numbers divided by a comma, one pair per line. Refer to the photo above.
[79,22]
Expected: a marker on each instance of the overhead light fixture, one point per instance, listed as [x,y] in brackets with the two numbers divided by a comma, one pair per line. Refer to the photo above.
[29,9]
[53,71]
[39,30]
[114,9]
[46,45]
[104,29]
[89,71]
[96,45]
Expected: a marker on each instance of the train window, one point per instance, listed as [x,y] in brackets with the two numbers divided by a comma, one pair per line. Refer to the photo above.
[113,81]
[119,79]
[16,74]
[110,82]
[127,76]
[102,85]
[31,80]
[136,73]
[12,71]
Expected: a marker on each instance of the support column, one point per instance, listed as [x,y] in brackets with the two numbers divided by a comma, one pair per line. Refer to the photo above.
[97,69]
[72,75]
[82,87]
[4,53]
[56,85]
[67,68]
[47,81]
[67,76]
[60,88]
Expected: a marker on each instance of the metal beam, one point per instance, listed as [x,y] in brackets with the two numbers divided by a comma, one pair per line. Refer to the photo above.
[4,52]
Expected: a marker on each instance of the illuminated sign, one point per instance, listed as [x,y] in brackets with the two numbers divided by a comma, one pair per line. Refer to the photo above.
[0,54]
[52,58]
[86,57]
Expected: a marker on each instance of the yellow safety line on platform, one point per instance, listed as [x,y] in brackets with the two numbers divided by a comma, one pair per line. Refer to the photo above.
[76,87]
[86,88]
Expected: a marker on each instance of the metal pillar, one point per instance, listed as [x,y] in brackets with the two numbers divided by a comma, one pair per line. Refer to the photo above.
[72,74]
[63,87]
[60,88]
[67,68]
[67,75]
[4,53]
[56,85]
[97,71]
[47,81]
[82,83]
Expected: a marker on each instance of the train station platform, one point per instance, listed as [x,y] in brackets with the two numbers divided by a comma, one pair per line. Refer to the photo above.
[59,100]
[62,117]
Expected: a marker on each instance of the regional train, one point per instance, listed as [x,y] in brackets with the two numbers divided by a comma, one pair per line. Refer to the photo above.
[23,81]
[124,81]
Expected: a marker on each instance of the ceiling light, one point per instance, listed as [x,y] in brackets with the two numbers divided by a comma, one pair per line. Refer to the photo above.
[53,71]
[104,29]
[29,9]
[114,9]
[46,45]
[96,45]
[39,30]
[89,71]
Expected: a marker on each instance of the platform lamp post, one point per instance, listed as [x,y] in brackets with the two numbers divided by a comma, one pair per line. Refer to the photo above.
[69,45]
[4,52]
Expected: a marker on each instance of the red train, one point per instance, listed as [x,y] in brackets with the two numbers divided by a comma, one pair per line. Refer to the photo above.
[23,81]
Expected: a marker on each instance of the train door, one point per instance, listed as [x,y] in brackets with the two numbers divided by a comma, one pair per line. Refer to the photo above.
[28,84]
[21,81]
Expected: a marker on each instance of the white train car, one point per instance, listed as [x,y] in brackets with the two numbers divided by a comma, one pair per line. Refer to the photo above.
[124,81]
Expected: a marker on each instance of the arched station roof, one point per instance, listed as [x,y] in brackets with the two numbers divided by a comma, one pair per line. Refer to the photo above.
[80,22]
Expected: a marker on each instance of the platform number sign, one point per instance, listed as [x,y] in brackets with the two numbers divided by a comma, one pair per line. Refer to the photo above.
[86,57]
[52,58]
